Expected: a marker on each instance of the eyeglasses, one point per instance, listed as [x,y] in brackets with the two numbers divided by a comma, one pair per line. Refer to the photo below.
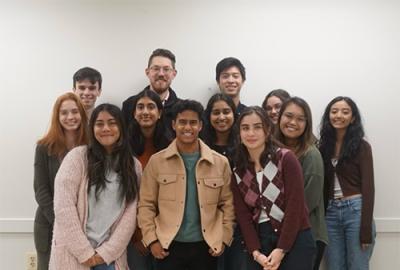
[157,69]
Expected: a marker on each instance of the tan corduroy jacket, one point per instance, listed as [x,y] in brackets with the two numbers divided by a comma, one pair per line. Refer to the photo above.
[163,191]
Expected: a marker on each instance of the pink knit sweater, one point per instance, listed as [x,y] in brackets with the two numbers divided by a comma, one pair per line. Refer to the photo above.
[70,247]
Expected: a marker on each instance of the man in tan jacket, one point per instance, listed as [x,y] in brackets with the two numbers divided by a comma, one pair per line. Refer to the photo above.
[186,206]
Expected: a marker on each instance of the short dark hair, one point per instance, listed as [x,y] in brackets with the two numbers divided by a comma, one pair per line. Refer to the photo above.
[87,73]
[188,105]
[164,53]
[283,95]
[227,63]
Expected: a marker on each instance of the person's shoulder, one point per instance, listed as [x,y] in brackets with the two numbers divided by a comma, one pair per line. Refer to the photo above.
[312,153]
[365,148]
[365,144]
[130,99]
[42,148]
[77,152]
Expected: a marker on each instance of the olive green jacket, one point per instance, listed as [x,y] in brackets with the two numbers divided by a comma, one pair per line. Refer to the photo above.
[313,172]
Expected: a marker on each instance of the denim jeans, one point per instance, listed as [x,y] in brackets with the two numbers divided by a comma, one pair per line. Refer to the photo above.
[104,267]
[300,257]
[343,220]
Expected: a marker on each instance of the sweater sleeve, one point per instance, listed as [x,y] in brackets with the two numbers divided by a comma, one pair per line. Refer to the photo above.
[68,179]
[295,211]
[367,192]
[41,183]
[245,219]
[313,171]
[148,203]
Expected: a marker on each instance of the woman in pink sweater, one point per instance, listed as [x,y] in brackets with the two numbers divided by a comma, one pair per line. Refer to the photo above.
[95,198]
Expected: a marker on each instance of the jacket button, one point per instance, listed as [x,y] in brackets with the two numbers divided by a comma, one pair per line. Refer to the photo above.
[214,184]
[215,249]
[164,180]
[275,230]
[198,182]
[204,230]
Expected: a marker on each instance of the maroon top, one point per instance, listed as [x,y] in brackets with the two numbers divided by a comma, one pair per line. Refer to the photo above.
[356,176]
[293,205]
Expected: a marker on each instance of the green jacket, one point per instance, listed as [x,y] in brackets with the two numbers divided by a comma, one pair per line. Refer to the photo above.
[313,172]
[45,170]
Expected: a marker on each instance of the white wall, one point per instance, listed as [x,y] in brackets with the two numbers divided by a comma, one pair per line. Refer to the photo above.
[315,49]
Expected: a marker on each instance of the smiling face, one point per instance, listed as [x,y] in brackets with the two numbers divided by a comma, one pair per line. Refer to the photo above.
[230,81]
[69,115]
[187,126]
[146,112]
[88,92]
[252,133]
[340,115]
[293,122]
[221,117]
[160,74]
[273,108]
[106,130]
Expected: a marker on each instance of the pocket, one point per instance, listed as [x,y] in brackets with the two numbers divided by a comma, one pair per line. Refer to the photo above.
[213,189]
[42,237]
[356,205]
[167,187]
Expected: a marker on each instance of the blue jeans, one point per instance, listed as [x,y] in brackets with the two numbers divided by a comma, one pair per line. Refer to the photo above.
[343,220]
[104,267]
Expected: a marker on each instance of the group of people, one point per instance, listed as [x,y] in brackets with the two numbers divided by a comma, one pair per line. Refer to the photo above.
[166,184]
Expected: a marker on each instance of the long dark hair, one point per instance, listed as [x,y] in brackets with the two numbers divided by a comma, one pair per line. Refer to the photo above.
[307,138]
[352,139]
[161,139]
[121,159]
[208,134]
[271,145]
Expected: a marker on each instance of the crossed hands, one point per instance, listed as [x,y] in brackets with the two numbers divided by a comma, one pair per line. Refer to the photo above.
[158,251]
[270,262]
[96,259]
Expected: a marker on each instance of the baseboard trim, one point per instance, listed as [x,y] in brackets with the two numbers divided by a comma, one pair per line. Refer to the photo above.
[25,225]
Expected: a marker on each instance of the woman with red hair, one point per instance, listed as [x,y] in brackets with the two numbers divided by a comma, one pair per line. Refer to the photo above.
[67,130]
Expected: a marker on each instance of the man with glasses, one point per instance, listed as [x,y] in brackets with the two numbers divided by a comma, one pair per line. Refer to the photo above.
[160,71]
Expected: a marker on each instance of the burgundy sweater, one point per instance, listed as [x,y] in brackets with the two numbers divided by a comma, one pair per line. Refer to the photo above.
[294,207]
